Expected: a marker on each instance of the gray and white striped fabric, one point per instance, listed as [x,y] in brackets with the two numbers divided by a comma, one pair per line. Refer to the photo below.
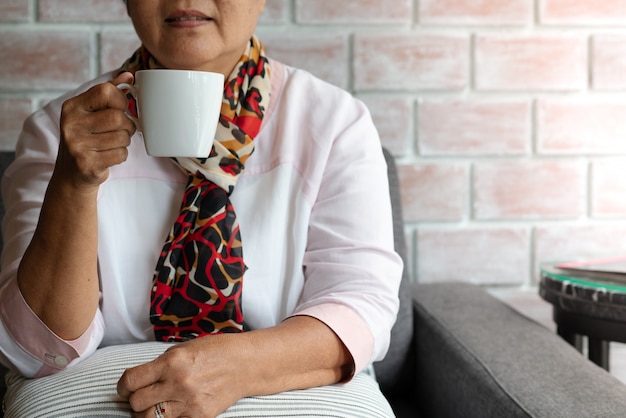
[89,390]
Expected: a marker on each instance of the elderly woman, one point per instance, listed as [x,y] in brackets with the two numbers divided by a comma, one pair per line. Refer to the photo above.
[88,212]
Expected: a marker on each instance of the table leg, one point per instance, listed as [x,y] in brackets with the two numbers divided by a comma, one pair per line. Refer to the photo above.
[575,340]
[599,352]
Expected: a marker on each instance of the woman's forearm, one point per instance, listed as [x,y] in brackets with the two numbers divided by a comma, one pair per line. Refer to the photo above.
[58,274]
[299,353]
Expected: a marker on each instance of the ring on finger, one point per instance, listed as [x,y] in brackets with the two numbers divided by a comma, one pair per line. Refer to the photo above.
[159,410]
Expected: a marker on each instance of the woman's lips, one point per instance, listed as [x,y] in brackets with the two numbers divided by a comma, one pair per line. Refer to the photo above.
[187,18]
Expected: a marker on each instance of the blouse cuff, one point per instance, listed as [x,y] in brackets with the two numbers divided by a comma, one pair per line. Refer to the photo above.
[34,337]
[349,327]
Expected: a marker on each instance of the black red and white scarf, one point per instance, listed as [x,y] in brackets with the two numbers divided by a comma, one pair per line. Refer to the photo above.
[197,284]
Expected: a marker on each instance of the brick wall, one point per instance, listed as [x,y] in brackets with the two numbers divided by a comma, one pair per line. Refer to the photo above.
[508,118]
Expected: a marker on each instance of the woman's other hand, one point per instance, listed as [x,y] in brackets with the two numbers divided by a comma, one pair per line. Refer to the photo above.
[95,134]
[198,378]
[205,376]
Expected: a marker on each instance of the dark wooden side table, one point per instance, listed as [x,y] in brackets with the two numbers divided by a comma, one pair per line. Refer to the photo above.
[583,306]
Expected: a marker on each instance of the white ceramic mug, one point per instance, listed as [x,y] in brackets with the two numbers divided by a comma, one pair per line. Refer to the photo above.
[178,110]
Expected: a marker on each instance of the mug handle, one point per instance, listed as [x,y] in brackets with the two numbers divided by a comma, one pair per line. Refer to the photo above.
[133,91]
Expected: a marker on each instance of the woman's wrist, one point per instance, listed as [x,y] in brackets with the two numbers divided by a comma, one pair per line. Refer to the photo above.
[67,185]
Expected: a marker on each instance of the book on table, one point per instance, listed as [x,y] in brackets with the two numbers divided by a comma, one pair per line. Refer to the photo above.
[609,268]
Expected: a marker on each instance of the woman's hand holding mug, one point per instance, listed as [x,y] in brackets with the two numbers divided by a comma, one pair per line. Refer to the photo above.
[178,116]
[95,134]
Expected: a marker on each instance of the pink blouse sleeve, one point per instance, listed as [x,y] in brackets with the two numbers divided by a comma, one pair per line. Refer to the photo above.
[349,327]
[35,339]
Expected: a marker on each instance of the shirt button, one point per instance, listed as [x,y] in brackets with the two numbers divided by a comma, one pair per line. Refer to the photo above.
[60,361]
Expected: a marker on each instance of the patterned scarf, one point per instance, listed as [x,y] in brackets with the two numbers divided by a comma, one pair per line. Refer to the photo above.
[198,278]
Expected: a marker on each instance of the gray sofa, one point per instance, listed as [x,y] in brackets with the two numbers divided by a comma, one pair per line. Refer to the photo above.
[458,352]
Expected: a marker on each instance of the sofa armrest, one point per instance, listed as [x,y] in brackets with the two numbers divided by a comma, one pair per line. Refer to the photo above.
[478,357]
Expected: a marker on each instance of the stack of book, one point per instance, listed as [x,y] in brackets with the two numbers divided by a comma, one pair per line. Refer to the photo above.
[611,269]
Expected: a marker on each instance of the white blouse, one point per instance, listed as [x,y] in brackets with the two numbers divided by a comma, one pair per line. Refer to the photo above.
[312,205]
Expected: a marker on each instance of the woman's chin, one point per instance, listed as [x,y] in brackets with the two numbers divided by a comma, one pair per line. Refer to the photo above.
[199,62]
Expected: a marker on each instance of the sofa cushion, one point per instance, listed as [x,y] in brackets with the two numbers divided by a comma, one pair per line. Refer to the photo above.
[88,389]
[478,357]
[6,158]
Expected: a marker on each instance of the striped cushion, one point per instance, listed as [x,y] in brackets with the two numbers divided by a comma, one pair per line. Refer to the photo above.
[89,390]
